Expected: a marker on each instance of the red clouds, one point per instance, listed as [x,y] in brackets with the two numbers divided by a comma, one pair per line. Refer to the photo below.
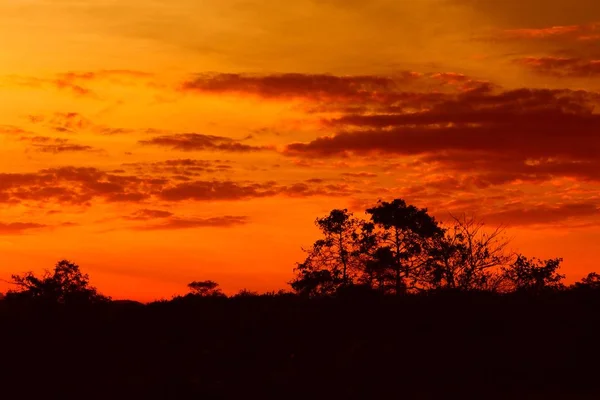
[288,86]
[543,214]
[227,221]
[217,190]
[46,144]
[81,186]
[147,214]
[576,41]
[527,131]
[574,32]
[199,142]
[17,228]
[562,67]
[73,185]
[448,121]
[168,221]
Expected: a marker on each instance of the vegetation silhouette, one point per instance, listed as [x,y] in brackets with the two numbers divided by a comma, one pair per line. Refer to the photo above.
[395,305]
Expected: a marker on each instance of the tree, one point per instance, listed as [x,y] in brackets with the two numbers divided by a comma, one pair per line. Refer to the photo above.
[334,260]
[65,285]
[534,275]
[406,230]
[468,257]
[205,289]
[591,281]
[378,267]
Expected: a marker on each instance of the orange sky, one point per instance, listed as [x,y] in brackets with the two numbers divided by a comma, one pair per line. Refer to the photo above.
[157,142]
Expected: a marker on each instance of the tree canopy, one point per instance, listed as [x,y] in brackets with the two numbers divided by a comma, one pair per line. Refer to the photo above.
[66,284]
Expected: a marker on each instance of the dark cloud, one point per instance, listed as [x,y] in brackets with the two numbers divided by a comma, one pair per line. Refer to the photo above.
[52,145]
[543,214]
[17,228]
[562,67]
[587,32]
[184,168]
[74,122]
[147,214]
[360,174]
[227,221]
[228,190]
[218,190]
[81,186]
[522,132]
[293,85]
[200,142]
[74,185]
[12,130]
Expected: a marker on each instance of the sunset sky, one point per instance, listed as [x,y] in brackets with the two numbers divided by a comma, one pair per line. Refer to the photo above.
[156,142]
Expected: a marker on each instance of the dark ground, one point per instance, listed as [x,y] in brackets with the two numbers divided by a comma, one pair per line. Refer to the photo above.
[431,347]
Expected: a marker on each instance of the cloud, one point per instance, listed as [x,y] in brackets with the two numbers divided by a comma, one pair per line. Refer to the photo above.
[12,130]
[218,190]
[227,221]
[562,67]
[74,122]
[183,169]
[74,185]
[569,32]
[83,185]
[532,13]
[80,83]
[46,144]
[523,131]
[544,214]
[18,228]
[360,174]
[200,142]
[228,190]
[148,214]
[291,85]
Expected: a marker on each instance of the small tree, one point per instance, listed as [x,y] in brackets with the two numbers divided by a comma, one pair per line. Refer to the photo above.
[534,275]
[591,281]
[65,285]
[205,289]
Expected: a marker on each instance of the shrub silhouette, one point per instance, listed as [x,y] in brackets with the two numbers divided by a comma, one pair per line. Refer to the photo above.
[533,275]
[205,289]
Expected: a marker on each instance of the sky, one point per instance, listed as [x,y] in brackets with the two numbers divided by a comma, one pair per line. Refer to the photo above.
[158,142]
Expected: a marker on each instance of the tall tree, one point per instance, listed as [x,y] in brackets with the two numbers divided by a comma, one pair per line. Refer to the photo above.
[334,260]
[406,231]
[468,256]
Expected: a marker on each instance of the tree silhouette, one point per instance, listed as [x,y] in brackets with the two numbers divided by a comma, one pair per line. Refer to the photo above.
[406,231]
[378,268]
[334,260]
[534,275]
[468,257]
[591,281]
[205,289]
[66,284]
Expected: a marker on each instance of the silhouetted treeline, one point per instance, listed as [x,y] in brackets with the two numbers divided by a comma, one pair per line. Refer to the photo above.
[401,249]
[396,306]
